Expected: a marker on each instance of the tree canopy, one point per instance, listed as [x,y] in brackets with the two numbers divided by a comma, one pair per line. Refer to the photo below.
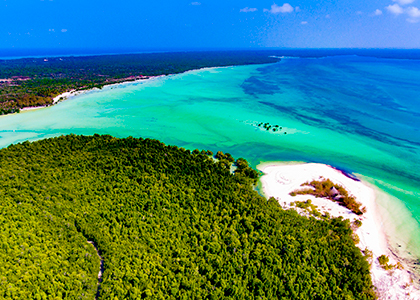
[169,223]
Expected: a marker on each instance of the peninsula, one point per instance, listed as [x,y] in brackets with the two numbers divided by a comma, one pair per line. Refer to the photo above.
[168,224]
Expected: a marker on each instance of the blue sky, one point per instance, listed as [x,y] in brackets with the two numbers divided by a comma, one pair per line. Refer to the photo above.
[163,24]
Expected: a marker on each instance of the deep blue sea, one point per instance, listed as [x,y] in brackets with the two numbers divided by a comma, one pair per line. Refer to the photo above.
[16,53]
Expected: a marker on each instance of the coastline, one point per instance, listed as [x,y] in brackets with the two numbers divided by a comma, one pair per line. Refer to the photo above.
[158,83]
[280,179]
[73,93]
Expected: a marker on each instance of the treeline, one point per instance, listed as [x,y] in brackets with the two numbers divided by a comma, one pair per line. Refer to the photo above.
[36,81]
[169,223]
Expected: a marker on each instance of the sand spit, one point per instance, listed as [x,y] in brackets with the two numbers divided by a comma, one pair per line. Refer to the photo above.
[281,179]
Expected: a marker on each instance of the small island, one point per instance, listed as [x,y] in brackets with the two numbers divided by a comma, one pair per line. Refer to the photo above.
[269,127]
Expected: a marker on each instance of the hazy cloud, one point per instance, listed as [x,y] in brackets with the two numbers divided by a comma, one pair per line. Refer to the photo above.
[413,12]
[195,3]
[275,9]
[377,12]
[63,30]
[248,9]
[395,9]
[303,22]
[297,9]
[404,2]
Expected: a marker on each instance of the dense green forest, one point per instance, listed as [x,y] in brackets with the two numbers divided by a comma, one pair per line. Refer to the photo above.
[169,224]
[36,81]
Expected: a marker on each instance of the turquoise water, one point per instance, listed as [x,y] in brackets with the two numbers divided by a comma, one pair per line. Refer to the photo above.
[358,114]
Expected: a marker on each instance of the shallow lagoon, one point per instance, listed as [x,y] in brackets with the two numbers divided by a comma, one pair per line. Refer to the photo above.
[361,115]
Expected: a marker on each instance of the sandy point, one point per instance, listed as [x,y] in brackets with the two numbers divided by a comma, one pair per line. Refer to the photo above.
[280,179]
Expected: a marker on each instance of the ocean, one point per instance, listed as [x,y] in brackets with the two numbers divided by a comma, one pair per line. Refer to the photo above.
[360,114]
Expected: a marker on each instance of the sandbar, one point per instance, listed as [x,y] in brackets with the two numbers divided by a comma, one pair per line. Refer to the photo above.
[280,179]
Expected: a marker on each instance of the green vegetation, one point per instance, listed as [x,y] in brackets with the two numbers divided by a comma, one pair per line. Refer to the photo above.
[244,171]
[356,224]
[384,262]
[327,189]
[308,206]
[36,81]
[368,255]
[224,156]
[169,224]
[267,126]
[355,238]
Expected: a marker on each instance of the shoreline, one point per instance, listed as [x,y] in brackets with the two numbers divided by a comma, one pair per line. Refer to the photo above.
[73,93]
[280,179]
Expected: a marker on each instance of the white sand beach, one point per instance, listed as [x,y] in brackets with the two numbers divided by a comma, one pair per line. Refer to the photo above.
[73,93]
[63,96]
[281,179]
